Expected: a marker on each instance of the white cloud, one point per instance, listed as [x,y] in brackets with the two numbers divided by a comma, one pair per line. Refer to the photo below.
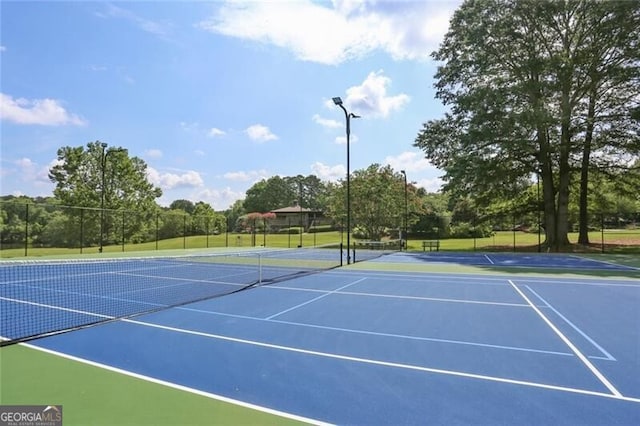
[370,98]
[410,161]
[25,163]
[219,199]
[166,181]
[98,68]
[189,127]
[242,176]
[3,48]
[328,173]
[30,171]
[414,162]
[46,112]
[260,133]
[430,184]
[153,27]
[326,122]
[345,30]
[214,132]
[342,140]
[153,153]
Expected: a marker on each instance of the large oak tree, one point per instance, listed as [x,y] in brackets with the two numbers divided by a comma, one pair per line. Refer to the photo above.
[536,87]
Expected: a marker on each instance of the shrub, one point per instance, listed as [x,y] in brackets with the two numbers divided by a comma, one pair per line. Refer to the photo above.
[293,230]
[467,230]
[320,228]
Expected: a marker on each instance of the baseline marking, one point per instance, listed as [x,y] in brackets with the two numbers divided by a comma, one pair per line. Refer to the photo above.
[315,298]
[575,350]
[572,325]
[388,364]
[489,259]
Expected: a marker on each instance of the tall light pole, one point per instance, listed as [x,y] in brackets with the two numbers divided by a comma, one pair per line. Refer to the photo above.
[300,207]
[103,166]
[348,116]
[405,209]
[538,208]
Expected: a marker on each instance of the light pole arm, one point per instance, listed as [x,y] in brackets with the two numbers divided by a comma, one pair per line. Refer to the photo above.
[347,118]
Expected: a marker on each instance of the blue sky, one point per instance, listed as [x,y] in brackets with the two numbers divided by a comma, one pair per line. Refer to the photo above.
[215,96]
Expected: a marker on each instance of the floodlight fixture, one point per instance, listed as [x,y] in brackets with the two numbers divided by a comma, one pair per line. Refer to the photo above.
[348,116]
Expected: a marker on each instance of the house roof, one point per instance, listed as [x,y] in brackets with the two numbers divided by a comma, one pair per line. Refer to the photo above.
[294,209]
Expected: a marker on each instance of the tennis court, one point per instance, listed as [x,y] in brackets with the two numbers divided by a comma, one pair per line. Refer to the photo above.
[372,343]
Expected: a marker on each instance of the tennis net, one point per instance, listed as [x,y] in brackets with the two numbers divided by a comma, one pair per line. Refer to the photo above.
[369,250]
[44,297]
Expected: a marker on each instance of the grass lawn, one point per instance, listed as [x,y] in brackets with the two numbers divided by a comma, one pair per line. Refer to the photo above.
[96,396]
[615,241]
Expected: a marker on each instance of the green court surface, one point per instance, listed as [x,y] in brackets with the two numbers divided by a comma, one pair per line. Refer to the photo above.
[91,395]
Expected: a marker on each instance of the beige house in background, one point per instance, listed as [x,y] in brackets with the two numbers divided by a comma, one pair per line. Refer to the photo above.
[297,216]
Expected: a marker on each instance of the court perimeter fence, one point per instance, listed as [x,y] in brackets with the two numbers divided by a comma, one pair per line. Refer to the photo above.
[28,226]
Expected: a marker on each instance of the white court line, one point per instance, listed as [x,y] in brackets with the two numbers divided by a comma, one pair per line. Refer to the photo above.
[315,298]
[572,325]
[389,364]
[489,259]
[399,296]
[377,333]
[59,308]
[461,278]
[606,262]
[179,387]
[575,350]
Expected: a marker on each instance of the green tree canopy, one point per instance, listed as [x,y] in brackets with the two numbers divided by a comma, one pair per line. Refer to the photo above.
[277,192]
[377,201]
[535,87]
[78,176]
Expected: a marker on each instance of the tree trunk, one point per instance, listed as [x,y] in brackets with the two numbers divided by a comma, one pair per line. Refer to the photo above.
[564,169]
[548,189]
[583,237]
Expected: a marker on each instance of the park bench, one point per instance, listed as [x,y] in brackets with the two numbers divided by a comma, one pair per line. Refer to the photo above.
[431,244]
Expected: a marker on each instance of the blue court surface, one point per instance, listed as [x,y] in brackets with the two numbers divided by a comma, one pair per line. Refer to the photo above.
[365,347]
[523,260]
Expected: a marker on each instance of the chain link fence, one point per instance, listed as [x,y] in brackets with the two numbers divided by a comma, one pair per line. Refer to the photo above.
[523,232]
[27,227]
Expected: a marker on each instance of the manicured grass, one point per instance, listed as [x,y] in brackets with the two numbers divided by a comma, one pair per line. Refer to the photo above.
[95,396]
[618,241]
[194,242]
[615,241]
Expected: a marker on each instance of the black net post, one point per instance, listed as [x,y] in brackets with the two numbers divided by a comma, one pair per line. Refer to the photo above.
[81,229]
[26,229]
[206,229]
[184,231]
[123,234]
[226,233]
[514,232]
[602,232]
[157,228]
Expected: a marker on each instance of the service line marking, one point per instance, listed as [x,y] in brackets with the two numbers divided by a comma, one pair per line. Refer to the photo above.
[389,364]
[607,355]
[571,346]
